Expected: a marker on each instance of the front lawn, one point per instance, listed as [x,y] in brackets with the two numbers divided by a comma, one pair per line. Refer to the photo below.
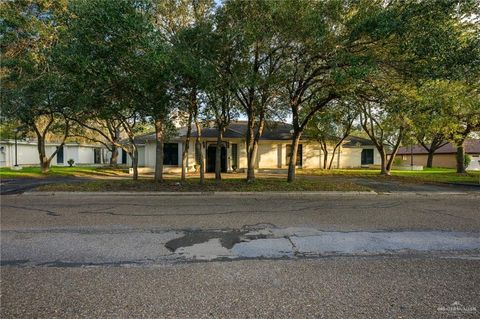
[192,185]
[35,172]
[431,175]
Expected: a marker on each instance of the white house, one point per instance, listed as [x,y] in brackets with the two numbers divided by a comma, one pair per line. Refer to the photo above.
[27,153]
[273,152]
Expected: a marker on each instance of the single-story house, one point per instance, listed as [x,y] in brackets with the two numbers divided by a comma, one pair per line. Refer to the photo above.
[27,153]
[273,150]
[445,156]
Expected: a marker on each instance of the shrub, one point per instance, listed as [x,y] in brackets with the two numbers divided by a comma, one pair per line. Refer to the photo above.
[397,161]
[467,159]
[70,162]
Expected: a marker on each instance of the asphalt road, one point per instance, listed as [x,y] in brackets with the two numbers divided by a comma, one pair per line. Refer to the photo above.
[335,256]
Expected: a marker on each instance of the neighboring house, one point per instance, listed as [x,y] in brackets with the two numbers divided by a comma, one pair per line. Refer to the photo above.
[273,150]
[27,153]
[445,156]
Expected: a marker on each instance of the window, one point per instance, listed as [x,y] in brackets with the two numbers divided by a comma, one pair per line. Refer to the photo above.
[60,155]
[234,155]
[299,154]
[367,156]
[170,154]
[97,155]
[124,157]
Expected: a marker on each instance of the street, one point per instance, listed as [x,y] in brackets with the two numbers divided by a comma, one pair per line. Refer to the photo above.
[402,255]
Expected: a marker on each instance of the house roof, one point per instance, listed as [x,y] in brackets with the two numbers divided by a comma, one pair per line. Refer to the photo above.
[472,146]
[274,131]
[355,141]
[236,129]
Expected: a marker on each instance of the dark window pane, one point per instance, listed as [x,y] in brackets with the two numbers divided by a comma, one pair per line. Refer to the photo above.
[367,156]
[60,155]
[170,154]
[235,155]
[97,155]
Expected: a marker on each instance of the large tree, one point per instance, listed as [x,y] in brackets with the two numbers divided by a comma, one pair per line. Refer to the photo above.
[457,105]
[255,66]
[103,51]
[34,92]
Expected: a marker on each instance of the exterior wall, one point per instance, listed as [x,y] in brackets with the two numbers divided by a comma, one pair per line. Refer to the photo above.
[141,157]
[352,157]
[268,155]
[312,155]
[271,155]
[439,160]
[27,153]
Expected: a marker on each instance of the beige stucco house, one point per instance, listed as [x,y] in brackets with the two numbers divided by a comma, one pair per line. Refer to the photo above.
[273,150]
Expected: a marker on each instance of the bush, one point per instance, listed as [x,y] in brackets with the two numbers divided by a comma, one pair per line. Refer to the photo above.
[71,162]
[397,161]
[467,159]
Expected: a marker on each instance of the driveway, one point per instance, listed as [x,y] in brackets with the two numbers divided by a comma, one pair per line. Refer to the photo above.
[20,185]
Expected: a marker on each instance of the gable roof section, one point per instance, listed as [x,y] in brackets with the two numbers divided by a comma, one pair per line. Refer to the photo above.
[472,146]
[355,141]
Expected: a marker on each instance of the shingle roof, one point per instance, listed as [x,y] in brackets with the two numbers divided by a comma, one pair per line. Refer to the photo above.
[355,141]
[237,129]
[472,146]
[274,131]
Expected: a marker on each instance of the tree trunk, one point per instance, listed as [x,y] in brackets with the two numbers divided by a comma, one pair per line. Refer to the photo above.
[383,163]
[250,152]
[430,158]
[252,146]
[218,155]
[186,147]
[460,159]
[134,157]
[114,156]
[323,147]
[333,157]
[198,146]
[159,136]
[292,164]
[44,162]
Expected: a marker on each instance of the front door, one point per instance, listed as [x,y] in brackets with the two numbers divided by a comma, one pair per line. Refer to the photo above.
[211,150]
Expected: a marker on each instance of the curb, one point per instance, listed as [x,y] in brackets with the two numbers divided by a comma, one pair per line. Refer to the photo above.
[220,194]
[196,193]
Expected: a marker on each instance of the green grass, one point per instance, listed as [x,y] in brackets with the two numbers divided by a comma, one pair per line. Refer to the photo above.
[192,185]
[35,172]
[432,175]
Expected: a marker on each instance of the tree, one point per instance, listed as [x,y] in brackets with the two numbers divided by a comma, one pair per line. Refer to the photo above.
[103,52]
[185,24]
[457,104]
[33,90]
[250,26]
[331,127]
[419,41]
[385,112]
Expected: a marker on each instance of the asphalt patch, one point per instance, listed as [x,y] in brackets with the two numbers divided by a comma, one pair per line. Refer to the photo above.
[228,238]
